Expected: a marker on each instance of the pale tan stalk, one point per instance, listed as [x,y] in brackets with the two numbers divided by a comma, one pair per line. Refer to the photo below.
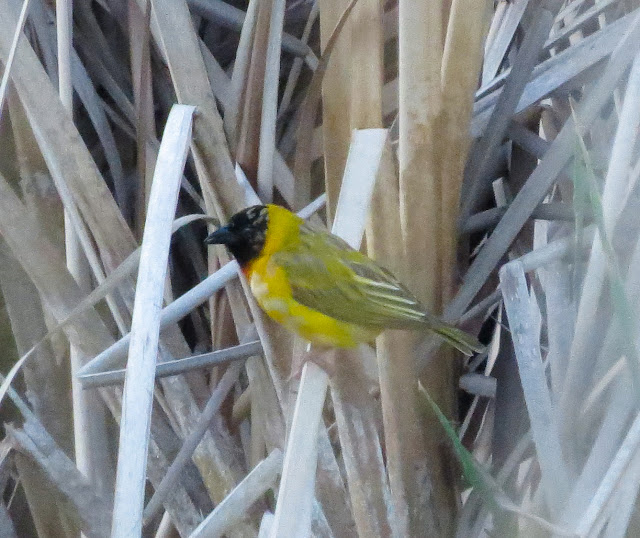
[248,148]
[367,69]
[308,111]
[461,65]
[45,378]
[139,31]
[45,381]
[88,411]
[294,73]
[357,417]
[420,56]
[336,100]
[369,493]
[233,109]
[420,41]
[269,100]
[67,157]
[404,440]
[46,516]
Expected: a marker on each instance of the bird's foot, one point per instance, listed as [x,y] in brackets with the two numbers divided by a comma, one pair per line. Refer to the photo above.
[324,358]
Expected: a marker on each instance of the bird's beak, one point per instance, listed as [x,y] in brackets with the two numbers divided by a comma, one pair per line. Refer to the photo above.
[222,236]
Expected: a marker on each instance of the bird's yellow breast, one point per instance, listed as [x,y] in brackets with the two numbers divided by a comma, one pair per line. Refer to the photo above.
[270,286]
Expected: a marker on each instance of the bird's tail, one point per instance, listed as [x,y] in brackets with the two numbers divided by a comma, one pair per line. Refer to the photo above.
[462,341]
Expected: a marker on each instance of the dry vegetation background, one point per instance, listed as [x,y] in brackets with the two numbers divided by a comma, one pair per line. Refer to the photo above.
[485,151]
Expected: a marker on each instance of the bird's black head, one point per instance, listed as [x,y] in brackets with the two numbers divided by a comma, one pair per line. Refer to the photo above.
[244,235]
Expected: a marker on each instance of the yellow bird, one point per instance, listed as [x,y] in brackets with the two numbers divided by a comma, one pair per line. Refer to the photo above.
[320,288]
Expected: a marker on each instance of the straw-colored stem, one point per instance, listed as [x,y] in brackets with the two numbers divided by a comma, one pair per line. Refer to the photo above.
[336,100]
[88,412]
[270,102]
[296,68]
[460,68]
[366,64]
[358,427]
[308,112]
[248,143]
[295,498]
[232,112]
[420,45]
[139,23]
[404,440]
[420,56]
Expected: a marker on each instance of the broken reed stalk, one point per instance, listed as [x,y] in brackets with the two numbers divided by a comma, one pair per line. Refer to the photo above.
[235,506]
[544,426]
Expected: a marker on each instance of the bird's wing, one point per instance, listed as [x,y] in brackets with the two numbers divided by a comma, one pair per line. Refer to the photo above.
[327,275]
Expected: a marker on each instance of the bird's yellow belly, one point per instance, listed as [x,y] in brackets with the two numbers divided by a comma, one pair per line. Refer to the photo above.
[272,292]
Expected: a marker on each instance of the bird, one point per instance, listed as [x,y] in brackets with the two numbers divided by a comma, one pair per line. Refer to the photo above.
[320,288]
